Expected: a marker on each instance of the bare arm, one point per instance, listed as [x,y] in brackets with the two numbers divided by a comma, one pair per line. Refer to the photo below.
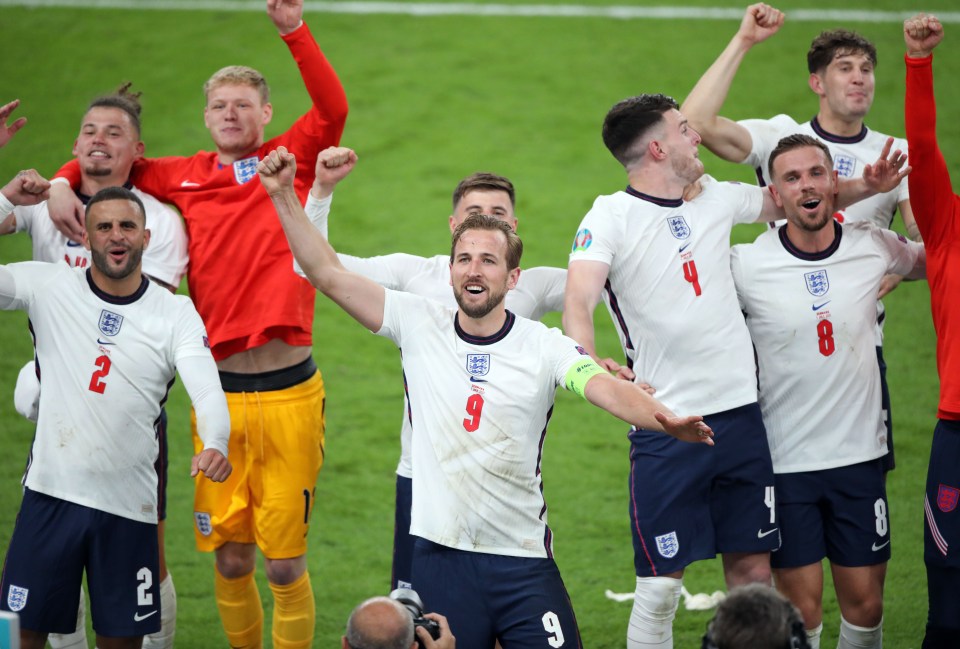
[7,131]
[634,406]
[723,136]
[287,15]
[362,298]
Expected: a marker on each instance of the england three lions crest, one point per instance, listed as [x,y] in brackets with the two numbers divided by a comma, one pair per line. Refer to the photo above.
[668,545]
[844,165]
[678,227]
[817,282]
[17,598]
[110,323]
[478,364]
[244,170]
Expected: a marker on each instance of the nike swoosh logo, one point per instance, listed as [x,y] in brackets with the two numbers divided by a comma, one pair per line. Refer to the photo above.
[876,547]
[105,342]
[140,618]
[187,183]
[682,248]
[817,307]
[474,379]
[761,533]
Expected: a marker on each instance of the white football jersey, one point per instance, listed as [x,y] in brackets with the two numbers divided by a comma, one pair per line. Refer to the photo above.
[670,293]
[164,259]
[480,409]
[538,292]
[850,156]
[811,318]
[106,367]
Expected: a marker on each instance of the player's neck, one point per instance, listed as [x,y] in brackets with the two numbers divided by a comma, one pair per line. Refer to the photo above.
[654,181]
[90,185]
[840,126]
[811,242]
[122,287]
[483,327]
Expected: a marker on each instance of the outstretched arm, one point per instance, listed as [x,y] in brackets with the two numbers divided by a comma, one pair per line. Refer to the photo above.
[7,131]
[631,404]
[723,136]
[362,298]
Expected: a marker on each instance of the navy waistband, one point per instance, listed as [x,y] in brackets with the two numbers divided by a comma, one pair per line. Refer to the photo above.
[268,381]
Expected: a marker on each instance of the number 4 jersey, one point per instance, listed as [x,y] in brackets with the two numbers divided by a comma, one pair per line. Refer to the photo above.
[670,293]
[811,317]
[106,365]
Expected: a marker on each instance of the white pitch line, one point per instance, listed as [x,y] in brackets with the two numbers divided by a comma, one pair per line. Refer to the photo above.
[470,9]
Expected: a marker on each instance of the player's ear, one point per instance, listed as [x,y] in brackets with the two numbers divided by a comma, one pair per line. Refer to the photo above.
[816,84]
[512,278]
[776,195]
[86,238]
[138,150]
[146,238]
[74,151]
[655,150]
[267,113]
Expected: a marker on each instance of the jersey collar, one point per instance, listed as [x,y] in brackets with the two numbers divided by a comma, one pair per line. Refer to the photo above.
[811,256]
[116,299]
[662,202]
[484,340]
[838,139]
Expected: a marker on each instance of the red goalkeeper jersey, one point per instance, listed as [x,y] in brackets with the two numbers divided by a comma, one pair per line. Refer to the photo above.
[241,270]
[937,211]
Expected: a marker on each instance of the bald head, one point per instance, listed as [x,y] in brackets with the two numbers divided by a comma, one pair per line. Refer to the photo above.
[379,623]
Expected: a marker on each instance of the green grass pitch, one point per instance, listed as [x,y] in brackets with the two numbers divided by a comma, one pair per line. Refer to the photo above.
[433,99]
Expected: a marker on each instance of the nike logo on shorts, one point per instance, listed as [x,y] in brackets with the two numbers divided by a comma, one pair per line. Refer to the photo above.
[877,548]
[140,618]
[761,533]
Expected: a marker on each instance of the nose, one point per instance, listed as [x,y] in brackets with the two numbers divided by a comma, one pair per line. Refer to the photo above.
[696,136]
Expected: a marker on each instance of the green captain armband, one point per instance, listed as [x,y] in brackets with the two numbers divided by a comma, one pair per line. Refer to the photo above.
[581,372]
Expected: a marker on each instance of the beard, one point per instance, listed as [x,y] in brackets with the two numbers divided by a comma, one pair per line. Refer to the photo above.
[102,261]
[482,309]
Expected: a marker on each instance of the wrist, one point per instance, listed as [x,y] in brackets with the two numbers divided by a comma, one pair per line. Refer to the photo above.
[289,30]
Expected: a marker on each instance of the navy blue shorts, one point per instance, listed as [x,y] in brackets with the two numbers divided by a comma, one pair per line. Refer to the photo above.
[519,601]
[941,533]
[888,460]
[53,542]
[402,539]
[840,514]
[690,501]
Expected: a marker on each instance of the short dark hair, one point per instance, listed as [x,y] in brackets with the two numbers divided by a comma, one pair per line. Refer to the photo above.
[629,120]
[838,42]
[125,100]
[117,194]
[797,141]
[485,182]
[758,617]
[485,222]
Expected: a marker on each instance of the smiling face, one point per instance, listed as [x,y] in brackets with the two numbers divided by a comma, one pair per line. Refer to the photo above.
[478,272]
[805,185]
[236,115]
[108,144]
[846,86]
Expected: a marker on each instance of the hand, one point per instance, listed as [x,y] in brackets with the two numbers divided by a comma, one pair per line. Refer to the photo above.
[686,429]
[888,283]
[7,132]
[446,639]
[333,165]
[27,188]
[287,15]
[212,463]
[760,22]
[922,33]
[620,371]
[66,212]
[277,171]
[885,174]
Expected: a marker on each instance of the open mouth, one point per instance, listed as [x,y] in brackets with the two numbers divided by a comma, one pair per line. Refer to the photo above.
[474,289]
[810,204]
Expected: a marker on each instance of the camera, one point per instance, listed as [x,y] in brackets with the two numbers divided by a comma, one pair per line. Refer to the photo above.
[412,602]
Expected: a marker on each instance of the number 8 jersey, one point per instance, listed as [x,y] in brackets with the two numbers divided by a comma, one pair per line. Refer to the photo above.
[811,318]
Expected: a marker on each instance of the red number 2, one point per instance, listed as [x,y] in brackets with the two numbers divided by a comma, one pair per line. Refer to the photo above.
[103,368]
[474,408]
[690,274]
[825,336]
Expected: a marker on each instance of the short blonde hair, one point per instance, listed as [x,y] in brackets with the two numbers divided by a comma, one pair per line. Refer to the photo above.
[238,75]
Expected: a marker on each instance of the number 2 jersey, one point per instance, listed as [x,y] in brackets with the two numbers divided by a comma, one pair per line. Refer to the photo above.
[106,366]
[670,293]
[480,409]
[811,318]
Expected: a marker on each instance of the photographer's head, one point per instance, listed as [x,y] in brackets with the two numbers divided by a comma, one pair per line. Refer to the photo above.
[755,617]
[379,623]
